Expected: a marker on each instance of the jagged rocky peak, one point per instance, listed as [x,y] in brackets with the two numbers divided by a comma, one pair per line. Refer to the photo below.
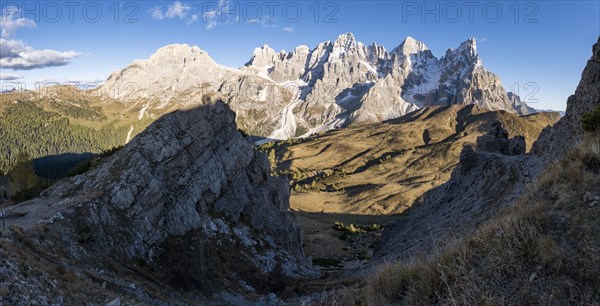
[467,52]
[344,43]
[189,189]
[169,71]
[181,54]
[468,48]
[377,52]
[520,107]
[178,49]
[264,56]
[483,183]
[411,46]
[301,49]
[330,85]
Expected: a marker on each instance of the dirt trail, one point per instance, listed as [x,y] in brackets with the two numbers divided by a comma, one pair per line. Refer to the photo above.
[28,214]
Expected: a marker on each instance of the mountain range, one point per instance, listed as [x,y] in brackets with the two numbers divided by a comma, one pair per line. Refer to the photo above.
[478,203]
[281,95]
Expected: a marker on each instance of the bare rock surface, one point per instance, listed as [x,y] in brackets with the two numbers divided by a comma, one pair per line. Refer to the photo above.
[497,141]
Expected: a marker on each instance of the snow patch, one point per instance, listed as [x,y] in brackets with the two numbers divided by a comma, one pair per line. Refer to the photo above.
[143,110]
[129,134]
[287,129]
[264,72]
[371,68]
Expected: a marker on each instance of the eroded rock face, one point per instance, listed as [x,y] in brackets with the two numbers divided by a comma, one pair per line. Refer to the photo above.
[191,196]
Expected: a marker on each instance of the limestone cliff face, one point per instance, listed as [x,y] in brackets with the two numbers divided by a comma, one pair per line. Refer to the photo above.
[189,192]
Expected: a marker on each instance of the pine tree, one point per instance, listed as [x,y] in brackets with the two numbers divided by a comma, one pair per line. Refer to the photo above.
[22,176]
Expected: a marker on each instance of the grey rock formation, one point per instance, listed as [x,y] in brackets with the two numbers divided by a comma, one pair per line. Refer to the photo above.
[281,95]
[497,141]
[190,196]
[520,107]
[264,56]
[169,72]
[516,145]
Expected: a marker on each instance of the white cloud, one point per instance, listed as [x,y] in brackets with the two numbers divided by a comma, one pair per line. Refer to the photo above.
[192,19]
[484,39]
[156,13]
[177,9]
[10,24]
[288,29]
[211,17]
[265,22]
[9,77]
[16,55]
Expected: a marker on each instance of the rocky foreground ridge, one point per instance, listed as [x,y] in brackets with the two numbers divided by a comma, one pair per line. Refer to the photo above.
[189,198]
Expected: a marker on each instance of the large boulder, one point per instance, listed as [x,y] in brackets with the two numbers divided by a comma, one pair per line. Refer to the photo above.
[497,141]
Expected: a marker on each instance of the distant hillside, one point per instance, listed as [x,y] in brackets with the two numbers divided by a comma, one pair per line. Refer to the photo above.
[61,120]
[383,168]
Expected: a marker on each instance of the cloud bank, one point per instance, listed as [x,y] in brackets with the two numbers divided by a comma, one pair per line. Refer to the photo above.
[17,55]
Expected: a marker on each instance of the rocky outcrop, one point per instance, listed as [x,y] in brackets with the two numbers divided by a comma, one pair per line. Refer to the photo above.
[567,132]
[264,56]
[497,141]
[192,198]
[282,95]
[464,80]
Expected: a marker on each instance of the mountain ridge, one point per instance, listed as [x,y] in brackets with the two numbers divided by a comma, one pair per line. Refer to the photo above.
[282,95]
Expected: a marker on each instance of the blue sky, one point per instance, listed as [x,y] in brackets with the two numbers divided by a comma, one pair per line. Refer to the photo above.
[538,48]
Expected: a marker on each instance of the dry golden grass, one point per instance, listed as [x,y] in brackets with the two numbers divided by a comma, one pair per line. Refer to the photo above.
[543,250]
[383,168]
